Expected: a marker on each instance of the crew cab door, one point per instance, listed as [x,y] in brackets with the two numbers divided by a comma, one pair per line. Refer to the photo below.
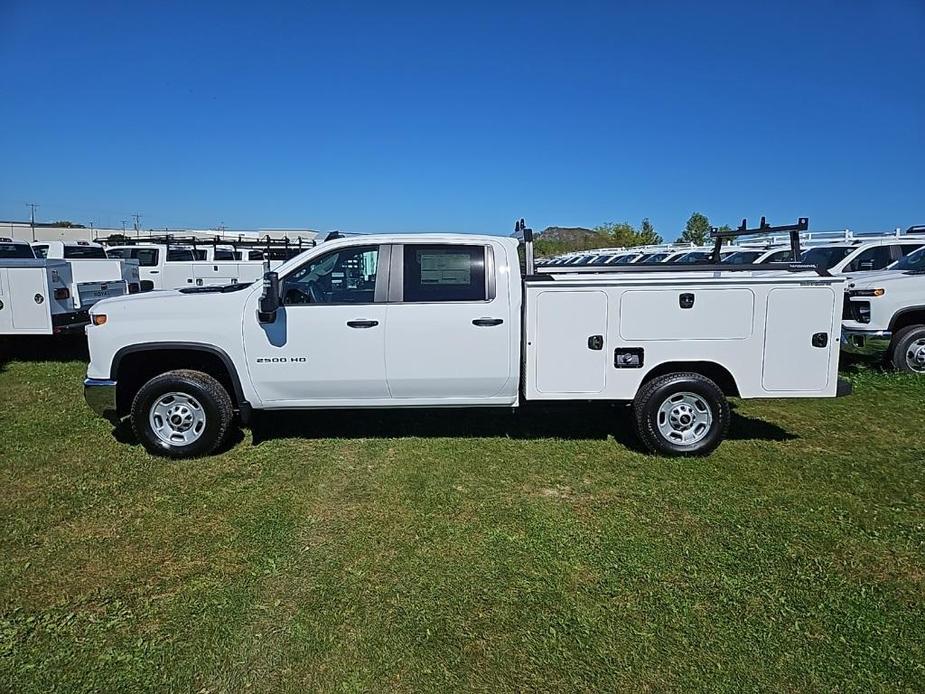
[451,336]
[326,347]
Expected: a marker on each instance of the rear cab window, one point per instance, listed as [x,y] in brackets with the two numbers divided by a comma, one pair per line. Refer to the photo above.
[16,250]
[84,252]
[444,272]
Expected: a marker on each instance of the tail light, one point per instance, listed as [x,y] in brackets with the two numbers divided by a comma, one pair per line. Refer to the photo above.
[134,288]
[62,293]
[98,318]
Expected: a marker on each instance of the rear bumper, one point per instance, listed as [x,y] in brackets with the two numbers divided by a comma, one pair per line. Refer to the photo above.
[70,322]
[865,342]
[100,395]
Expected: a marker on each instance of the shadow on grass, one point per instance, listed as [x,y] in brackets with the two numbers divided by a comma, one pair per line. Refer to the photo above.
[122,432]
[60,348]
[561,421]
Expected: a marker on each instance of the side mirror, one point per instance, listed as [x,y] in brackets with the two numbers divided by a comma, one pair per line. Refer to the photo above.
[269,300]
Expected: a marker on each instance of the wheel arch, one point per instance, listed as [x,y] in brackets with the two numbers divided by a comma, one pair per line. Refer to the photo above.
[134,365]
[911,315]
[717,373]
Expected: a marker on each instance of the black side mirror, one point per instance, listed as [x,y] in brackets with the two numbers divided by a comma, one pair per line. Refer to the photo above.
[269,300]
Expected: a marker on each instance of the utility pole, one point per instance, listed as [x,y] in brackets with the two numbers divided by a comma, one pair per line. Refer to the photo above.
[33,206]
[123,227]
[137,218]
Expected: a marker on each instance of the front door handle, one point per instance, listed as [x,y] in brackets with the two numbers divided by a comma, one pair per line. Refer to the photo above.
[362,323]
[487,322]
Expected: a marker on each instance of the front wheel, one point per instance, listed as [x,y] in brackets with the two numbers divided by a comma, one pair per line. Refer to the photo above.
[909,349]
[182,414]
[681,414]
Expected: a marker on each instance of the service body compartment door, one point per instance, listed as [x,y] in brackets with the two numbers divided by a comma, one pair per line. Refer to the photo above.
[29,295]
[206,274]
[6,304]
[799,343]
[687,314]
[569,342]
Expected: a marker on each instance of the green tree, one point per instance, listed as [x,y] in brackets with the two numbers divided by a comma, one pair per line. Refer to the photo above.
[647,235]
[696,231]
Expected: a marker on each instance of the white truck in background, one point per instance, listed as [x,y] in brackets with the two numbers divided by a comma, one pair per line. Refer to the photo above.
[95,276]
[35,294]
[442,320]
[884,314]
[168,266]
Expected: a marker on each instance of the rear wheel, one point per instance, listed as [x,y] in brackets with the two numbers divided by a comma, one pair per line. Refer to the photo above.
[182,414]
[909,349]
[681,414]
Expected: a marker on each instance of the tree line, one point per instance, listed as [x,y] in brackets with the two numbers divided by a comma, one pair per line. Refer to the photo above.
[624,234]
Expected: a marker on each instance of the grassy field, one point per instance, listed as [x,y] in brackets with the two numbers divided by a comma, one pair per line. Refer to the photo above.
[436,551]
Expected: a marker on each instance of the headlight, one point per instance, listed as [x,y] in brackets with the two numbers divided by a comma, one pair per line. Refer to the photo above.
[98,318]
[867,292]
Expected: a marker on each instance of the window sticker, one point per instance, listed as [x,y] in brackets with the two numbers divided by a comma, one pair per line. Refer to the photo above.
[444,268]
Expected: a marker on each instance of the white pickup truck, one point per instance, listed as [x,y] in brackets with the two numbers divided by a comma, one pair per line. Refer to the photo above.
[95,276]
[449,321]
[884,314]
[163,266]
[35,294]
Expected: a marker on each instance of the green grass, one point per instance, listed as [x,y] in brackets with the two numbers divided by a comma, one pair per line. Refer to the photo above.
[436,551]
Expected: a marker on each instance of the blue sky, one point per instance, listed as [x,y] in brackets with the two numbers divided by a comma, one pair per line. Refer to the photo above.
[425,116]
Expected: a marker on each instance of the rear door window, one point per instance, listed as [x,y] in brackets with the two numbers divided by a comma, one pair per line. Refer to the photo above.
[875,258]
[444,273]
[180,255]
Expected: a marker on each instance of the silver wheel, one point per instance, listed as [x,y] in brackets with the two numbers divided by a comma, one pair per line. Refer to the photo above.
[684,418]
[177,419]
[915,355]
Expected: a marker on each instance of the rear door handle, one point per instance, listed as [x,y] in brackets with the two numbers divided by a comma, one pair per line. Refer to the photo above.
[487,322]
[362,323]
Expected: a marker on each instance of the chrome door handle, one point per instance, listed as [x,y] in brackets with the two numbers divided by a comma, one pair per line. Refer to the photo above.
[487,322]
[362,323]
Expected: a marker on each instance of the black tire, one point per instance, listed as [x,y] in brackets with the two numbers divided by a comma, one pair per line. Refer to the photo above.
[904,342]
[698,392]
[204,397]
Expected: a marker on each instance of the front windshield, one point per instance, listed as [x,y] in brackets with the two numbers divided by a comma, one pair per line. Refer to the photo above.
[825,257]
[625,259]
[653,258]
[913,261]
[741,257]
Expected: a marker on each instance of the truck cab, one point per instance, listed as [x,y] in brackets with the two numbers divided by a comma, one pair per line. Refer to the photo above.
[855,257]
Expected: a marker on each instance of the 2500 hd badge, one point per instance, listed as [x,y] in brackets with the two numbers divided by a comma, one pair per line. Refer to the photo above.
[282,360]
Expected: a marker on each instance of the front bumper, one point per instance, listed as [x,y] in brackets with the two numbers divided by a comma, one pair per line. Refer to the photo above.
[865,342]
[100,395]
